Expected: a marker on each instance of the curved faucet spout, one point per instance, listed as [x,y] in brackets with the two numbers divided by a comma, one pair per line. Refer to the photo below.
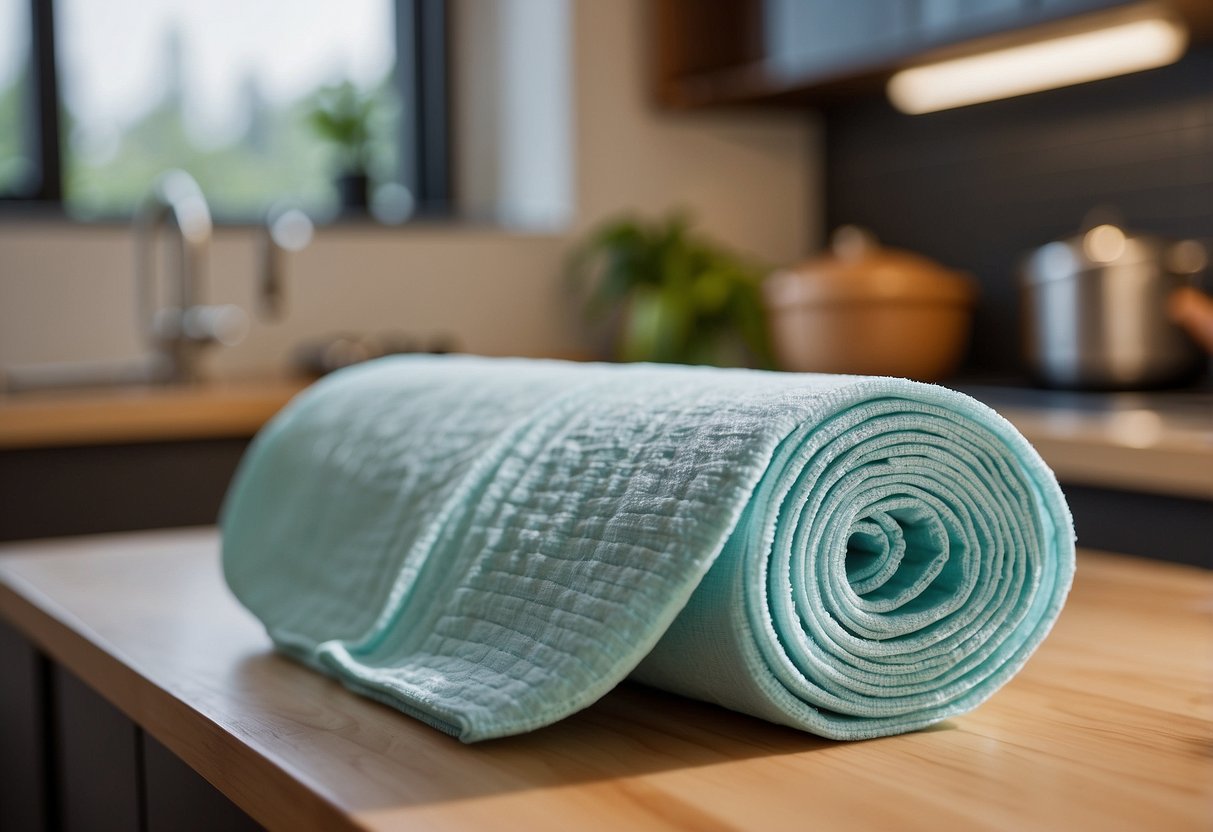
[181,325]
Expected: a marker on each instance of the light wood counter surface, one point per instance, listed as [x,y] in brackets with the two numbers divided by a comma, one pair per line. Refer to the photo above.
[1110,726]
[1135,449]
[140,414]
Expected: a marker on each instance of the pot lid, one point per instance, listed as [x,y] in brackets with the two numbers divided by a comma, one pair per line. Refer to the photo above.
[1105,244]
[858,269]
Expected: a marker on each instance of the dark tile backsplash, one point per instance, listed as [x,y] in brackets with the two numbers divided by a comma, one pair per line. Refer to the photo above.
[978,187]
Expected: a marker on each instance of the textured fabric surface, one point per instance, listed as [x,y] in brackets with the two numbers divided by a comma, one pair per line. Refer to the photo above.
[492,544]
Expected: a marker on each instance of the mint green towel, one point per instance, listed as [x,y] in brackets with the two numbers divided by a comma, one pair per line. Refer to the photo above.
[490,545]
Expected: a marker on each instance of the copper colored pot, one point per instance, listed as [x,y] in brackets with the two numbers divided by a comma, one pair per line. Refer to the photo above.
[870,310]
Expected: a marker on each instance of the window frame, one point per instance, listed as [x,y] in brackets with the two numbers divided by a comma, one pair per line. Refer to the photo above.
[422,34]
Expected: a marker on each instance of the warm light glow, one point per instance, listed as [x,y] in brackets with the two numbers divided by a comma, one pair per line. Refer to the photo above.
[1045,64]
[1104,243]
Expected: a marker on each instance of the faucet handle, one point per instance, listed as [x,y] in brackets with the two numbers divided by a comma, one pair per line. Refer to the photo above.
[218,323]
[225,324]
[287,229]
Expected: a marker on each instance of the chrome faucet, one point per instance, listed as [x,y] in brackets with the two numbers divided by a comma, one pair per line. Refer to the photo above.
[170,312]
[182,326]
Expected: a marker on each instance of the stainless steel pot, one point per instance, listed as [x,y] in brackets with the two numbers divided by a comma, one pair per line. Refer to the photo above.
[1095,310]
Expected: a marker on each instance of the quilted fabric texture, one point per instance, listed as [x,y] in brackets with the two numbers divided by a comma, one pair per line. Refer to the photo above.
[490,545]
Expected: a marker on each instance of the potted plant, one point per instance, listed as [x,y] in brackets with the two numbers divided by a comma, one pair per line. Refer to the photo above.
[671,296]
[342,115]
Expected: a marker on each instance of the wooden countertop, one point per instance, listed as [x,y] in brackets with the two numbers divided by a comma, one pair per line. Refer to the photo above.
[1133,449]
[1110,725]
[140,414]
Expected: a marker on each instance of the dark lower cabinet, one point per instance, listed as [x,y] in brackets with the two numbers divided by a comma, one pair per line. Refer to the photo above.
[97,772]
[25,770]
[1177,529]
[52,492]
[72,762]
[178,799]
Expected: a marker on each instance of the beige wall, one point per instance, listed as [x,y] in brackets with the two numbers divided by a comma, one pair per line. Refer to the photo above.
[66,290]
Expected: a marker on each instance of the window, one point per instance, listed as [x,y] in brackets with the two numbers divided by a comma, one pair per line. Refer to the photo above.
[16,166]
[228,90]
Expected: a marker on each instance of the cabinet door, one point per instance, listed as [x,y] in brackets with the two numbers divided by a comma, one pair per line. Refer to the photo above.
[180,800]
[943,16]
[24,801]
[51,492]
[97,760]
[802,34]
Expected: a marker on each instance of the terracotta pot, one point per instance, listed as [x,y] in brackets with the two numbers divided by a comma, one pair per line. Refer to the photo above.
[870,310]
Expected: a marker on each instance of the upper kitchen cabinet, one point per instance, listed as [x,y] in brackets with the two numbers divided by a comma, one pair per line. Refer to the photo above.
[813,51]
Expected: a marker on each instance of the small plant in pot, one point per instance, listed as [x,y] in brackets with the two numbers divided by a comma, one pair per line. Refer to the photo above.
[671,296]
[342,115]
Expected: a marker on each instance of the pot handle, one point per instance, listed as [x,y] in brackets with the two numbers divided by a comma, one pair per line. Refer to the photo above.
[851,243]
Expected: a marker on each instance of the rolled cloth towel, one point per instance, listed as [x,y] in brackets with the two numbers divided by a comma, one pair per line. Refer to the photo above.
[490,545]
